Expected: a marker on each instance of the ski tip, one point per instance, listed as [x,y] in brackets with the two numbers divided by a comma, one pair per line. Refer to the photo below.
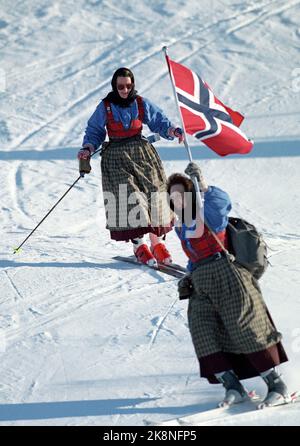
[289,399]
[294,396]
[17,250]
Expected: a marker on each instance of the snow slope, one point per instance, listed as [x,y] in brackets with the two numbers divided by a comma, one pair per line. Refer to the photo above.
[85,340]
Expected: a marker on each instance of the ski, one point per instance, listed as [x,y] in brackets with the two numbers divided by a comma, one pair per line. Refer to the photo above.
[230,400]
[176,267]
[208,416]
[293,398]
[166,269]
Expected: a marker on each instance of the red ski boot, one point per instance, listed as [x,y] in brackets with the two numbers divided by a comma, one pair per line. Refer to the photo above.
[161,253]
[144,255]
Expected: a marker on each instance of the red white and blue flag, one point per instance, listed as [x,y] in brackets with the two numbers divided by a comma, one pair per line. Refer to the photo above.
[205,116]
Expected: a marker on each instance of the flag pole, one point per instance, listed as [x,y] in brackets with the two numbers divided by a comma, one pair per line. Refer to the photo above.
[194,179]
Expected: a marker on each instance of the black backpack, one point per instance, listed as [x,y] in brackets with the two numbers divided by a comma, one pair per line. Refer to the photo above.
[247,245]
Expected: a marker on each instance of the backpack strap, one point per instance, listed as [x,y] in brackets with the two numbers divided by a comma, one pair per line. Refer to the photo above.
[226,252]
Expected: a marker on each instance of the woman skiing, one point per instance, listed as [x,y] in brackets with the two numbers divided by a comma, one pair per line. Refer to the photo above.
[231,329]
[133,178]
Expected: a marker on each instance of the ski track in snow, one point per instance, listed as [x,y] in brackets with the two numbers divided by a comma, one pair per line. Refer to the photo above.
[17,292]
[158,323]
[262,16]
[68,303]
[17,188]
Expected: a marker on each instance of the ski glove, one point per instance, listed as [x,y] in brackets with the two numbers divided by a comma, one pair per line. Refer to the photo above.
[193,170]
[84,154]
[176,133]
[185,287]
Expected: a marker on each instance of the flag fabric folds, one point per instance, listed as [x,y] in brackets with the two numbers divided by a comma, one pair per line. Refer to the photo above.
[205,116]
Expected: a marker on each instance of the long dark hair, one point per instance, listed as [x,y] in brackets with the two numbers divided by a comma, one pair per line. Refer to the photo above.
[113,96]
[178,178]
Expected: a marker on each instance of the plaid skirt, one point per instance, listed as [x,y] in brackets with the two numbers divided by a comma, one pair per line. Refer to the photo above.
[227,312]
[134,189]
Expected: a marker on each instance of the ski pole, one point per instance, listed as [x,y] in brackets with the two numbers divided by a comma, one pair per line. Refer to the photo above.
[82,173]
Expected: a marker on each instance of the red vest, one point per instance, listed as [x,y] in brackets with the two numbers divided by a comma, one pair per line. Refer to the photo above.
[205,246]
[115,129]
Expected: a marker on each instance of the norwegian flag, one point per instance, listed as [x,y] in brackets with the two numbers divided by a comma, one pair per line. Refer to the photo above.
[205,116]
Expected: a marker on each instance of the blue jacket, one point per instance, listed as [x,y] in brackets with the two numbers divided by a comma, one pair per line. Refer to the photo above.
[157,122]
[217,205]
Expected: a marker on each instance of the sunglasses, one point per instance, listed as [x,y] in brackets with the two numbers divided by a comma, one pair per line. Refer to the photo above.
[123,86]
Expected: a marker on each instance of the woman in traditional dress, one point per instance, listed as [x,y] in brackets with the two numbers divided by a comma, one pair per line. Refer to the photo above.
[133,177]
[232,331]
